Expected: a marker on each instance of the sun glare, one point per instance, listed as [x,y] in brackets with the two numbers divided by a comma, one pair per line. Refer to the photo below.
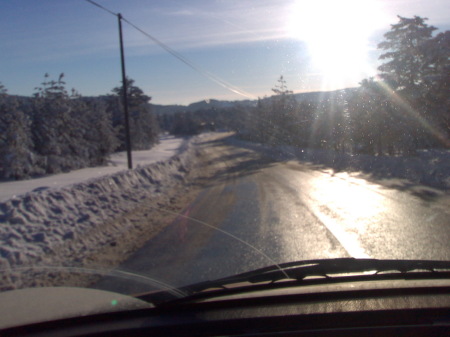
[337,36]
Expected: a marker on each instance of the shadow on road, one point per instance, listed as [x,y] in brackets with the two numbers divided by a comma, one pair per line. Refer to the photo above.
[226,162]
[336,163]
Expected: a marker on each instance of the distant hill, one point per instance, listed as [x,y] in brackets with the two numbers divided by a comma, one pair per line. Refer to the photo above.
[213,103]
[201,105]
[323,95]
[217,104]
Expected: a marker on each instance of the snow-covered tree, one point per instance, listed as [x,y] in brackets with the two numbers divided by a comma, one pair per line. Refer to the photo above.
[99,131]
[144,128]
[56,127]
[16,158]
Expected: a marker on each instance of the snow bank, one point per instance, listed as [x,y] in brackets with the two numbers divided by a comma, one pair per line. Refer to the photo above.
[428,167]
[36,226]
[168,147]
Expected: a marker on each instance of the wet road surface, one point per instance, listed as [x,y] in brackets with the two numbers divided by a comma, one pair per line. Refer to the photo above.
[255,212]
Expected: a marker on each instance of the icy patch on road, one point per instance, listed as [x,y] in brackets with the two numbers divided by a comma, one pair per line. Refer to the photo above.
[35,226]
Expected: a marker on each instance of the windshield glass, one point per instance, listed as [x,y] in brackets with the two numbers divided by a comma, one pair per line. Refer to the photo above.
[150,145]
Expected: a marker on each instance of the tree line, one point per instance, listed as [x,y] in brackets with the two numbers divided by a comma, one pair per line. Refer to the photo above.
[57,131]
[406,108]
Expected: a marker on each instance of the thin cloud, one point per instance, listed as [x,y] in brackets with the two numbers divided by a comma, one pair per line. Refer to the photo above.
[181,12]
[212,24]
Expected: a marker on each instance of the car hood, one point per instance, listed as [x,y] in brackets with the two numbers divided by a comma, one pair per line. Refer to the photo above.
[32,305]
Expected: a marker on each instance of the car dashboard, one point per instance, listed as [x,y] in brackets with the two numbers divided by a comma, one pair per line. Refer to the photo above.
[369,310]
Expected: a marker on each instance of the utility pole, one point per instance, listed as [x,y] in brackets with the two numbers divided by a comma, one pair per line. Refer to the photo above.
[125,98]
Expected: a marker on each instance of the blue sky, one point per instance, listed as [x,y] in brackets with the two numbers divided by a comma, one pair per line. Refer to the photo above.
[315,45]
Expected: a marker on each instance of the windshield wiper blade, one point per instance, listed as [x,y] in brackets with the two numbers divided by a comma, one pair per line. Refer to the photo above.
[320,271]
[325,268]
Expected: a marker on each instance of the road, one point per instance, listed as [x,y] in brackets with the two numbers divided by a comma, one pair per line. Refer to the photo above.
[254,211]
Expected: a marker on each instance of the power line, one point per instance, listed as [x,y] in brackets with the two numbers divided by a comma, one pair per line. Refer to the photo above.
[180,57]
[124,84]
[189,63]
[104,8]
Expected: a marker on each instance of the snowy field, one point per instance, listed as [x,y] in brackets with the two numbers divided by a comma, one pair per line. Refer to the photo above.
[167,148]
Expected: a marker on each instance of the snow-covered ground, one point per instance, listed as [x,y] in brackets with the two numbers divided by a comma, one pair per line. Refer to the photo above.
[427,167]
[167,148]
[62,219]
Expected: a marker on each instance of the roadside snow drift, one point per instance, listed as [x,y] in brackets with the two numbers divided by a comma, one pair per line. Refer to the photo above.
[34,227]
[427,167]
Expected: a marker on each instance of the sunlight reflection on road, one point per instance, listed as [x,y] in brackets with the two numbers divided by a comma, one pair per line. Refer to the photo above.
[347,206]
[354,198]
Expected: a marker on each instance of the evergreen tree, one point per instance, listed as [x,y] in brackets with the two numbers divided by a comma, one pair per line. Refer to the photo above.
[372,127]
[98,132]
[437,80]
[16,158]
[135,95]
[185,124]
[144,127]
[284,115]
[406,72]
[406,59]
[265,126]
[57,127]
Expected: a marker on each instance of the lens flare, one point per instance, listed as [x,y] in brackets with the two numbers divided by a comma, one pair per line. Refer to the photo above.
[337,35]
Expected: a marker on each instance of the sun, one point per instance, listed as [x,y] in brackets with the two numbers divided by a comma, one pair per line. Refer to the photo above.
[336,33]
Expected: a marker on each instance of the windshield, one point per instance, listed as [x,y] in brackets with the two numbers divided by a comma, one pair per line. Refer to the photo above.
[150,145]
